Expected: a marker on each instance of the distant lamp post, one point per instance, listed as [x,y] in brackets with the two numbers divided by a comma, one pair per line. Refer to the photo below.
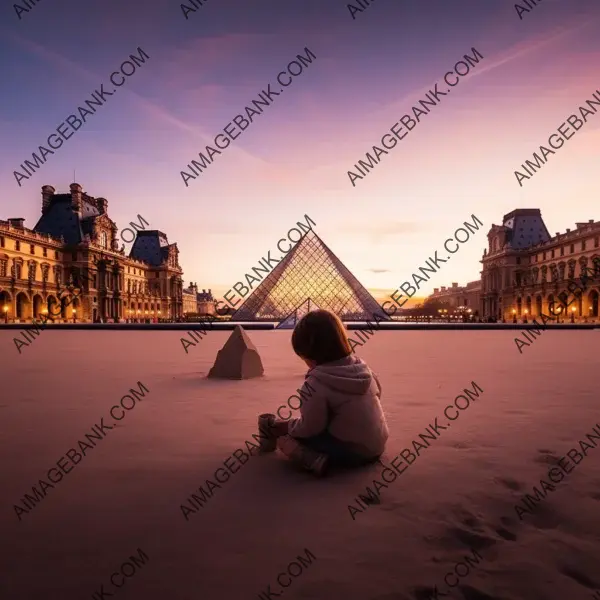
[5,309]
[74,315]
[573,309]
[559,310]
[525,312]
[514,315]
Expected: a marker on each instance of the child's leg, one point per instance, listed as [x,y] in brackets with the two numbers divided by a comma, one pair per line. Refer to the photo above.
[340,454]
[303,456]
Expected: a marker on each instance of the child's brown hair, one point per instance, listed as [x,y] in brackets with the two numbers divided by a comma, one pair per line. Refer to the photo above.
[320,336]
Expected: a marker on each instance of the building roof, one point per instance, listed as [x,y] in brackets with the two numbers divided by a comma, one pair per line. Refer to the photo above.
[151,246]
[61,219]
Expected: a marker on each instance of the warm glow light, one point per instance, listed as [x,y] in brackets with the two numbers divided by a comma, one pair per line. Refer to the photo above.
[5,308]
[526,311]
[573,309]
[74,310]
[514,311]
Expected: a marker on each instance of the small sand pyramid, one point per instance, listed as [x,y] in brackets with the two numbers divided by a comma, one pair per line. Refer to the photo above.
[238,359]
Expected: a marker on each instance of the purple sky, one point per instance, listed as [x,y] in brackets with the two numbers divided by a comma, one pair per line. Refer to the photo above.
[293,159]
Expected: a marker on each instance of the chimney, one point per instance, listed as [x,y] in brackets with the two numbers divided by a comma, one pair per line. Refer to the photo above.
[102,205]
[591,221]
[455,285]
[76,200]
[47,193]
[436,290]
[19,222]
[568,231]
[443,288]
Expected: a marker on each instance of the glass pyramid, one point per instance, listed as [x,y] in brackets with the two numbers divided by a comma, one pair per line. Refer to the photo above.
[311,271]
[303,309]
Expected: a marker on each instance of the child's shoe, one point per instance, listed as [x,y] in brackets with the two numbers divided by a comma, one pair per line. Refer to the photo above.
[304,457]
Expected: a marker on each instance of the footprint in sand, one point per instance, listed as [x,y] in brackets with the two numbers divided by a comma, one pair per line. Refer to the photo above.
[578,576]
[547,457]
[423,592]
[511,484]
[506,534]
[460,445]
[471,593]
[544,516]
[470,539]
[466,517]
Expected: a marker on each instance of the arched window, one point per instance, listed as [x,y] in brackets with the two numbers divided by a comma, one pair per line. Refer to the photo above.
[104,239]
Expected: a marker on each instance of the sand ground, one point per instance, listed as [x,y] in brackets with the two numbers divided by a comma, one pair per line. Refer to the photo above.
[459,494]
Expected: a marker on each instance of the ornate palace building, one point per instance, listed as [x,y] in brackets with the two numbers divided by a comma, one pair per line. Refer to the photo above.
[74,245]
[199,303]
[526,272]
[467,296]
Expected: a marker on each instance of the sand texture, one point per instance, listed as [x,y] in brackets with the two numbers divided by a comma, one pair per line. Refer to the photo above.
[457,497]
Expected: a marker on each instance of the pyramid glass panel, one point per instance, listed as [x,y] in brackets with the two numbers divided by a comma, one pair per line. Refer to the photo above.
[305,308]
[310,271]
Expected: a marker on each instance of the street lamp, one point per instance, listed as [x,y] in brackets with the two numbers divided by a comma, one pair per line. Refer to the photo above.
[5,309]
[525,312]
[514,315]
[573,309]
[559,310]
[74,317]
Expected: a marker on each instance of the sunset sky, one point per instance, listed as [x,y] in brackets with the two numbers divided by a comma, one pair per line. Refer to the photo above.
[293,160]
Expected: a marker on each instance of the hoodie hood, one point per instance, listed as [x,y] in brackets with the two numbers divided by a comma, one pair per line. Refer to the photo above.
[349,375]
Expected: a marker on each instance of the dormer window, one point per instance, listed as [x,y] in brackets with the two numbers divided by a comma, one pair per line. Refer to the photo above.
[104,239]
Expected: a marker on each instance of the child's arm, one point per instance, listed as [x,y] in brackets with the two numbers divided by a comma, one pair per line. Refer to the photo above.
[313,412]
[377,383]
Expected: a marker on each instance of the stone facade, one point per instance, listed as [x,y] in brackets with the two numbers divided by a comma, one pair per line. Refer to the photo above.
[527,273]
[201,303]
[75,245]
[467,296]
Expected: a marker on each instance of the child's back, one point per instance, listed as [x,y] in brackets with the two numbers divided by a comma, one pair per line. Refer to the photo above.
[351,394]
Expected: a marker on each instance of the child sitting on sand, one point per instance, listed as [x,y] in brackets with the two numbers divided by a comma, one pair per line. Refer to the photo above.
[341,421]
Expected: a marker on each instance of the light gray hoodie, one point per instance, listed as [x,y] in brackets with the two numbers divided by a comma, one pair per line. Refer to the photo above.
[344,402]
